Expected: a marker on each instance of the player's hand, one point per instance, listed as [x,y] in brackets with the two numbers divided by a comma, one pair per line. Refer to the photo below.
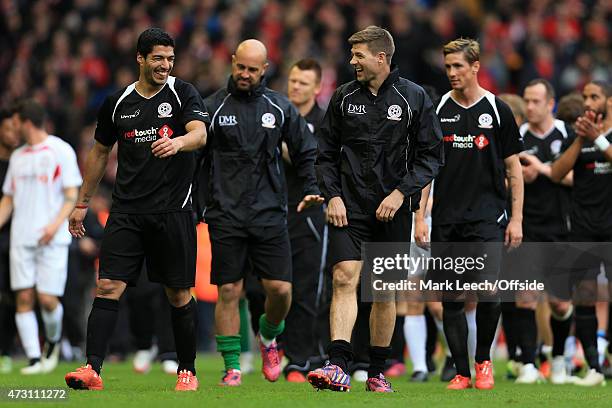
[530,165]
[336,212]
[309,200]
[421,233]
[166,147]
[389,206]
[75,222]
[48,233]
[514,233]
[589,126]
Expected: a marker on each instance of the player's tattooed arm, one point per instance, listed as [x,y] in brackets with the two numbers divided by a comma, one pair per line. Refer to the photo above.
[95,166]
[514,175]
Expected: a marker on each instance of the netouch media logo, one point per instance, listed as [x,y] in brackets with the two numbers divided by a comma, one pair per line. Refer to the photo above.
[148,135]
[467,142]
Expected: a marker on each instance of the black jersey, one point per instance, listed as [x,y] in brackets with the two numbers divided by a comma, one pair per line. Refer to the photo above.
[547,204]
[295,190]
[145,183]
[592,192]
[477,139]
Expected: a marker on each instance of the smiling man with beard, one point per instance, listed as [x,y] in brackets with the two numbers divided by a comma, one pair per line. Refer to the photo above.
[158,122]
[380,143]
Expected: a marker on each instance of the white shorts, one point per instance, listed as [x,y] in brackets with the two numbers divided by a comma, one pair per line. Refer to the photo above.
[44,267]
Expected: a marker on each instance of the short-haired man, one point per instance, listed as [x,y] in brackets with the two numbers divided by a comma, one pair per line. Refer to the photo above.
[246,204]
[481,146]
[589,156]
[40,190]
[379,145]
[545,210]
[158,122]
[308,236]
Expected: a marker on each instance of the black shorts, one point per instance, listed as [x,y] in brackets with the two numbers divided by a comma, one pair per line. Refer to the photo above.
[345,243]
[167,242]
[265,251]
[479,239]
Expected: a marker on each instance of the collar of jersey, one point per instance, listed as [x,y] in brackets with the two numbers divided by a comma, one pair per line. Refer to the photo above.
[257,91]
[391,79]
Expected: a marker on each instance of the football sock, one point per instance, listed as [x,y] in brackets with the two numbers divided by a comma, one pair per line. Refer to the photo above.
[487,318]
[100,328]
[53,323]
[378,357]
[586,331]
[340,354]
[527,335]
[243,308]
[560,327]
[456,332]
[229,347]
[27,327]
[415,331]
[185,323]
[470,318]
[269,331]
[510,328]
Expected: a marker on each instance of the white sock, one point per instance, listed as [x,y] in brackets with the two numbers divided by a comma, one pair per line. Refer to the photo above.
[440,327]
[53,323]
[265,341]
[27,327]
[470,316]
[415,332]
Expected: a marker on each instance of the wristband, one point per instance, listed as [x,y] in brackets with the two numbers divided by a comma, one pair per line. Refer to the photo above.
[81,206]
[602,143]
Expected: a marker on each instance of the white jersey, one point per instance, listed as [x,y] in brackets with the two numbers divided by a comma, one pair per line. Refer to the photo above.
[36,178]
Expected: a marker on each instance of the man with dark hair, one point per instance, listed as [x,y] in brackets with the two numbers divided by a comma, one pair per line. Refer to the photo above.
[379,145]
[482,143]
[570,108]
[308,236]
[545,211]
[157,122]
[246,204]
[40,197]
[589,156]
[8,142]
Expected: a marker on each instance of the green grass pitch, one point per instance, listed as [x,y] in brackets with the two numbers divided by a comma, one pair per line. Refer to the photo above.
[125,388]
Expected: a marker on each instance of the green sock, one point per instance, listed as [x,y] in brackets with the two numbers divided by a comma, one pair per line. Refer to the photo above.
[245,325]
[268,330]
[229,346]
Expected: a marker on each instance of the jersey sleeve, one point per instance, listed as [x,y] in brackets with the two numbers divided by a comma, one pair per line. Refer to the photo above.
[71,176]
[511,140]
[105,129]
[8,187]
[193,106]
[328,157]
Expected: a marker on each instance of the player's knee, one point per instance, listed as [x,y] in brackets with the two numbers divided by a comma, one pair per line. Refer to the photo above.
[48,302]
[111,289]
[24,300]
[415,308]
[278,289]
[178,297]
[230,292]
[345,278]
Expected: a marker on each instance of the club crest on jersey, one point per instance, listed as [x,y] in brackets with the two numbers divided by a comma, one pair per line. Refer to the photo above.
[485,121]
[268,120]
[356,109]
[164,110]
[394,112]
[555,147]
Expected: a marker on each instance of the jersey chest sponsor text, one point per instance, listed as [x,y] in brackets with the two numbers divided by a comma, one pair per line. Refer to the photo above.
[479,142]
[147,135]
